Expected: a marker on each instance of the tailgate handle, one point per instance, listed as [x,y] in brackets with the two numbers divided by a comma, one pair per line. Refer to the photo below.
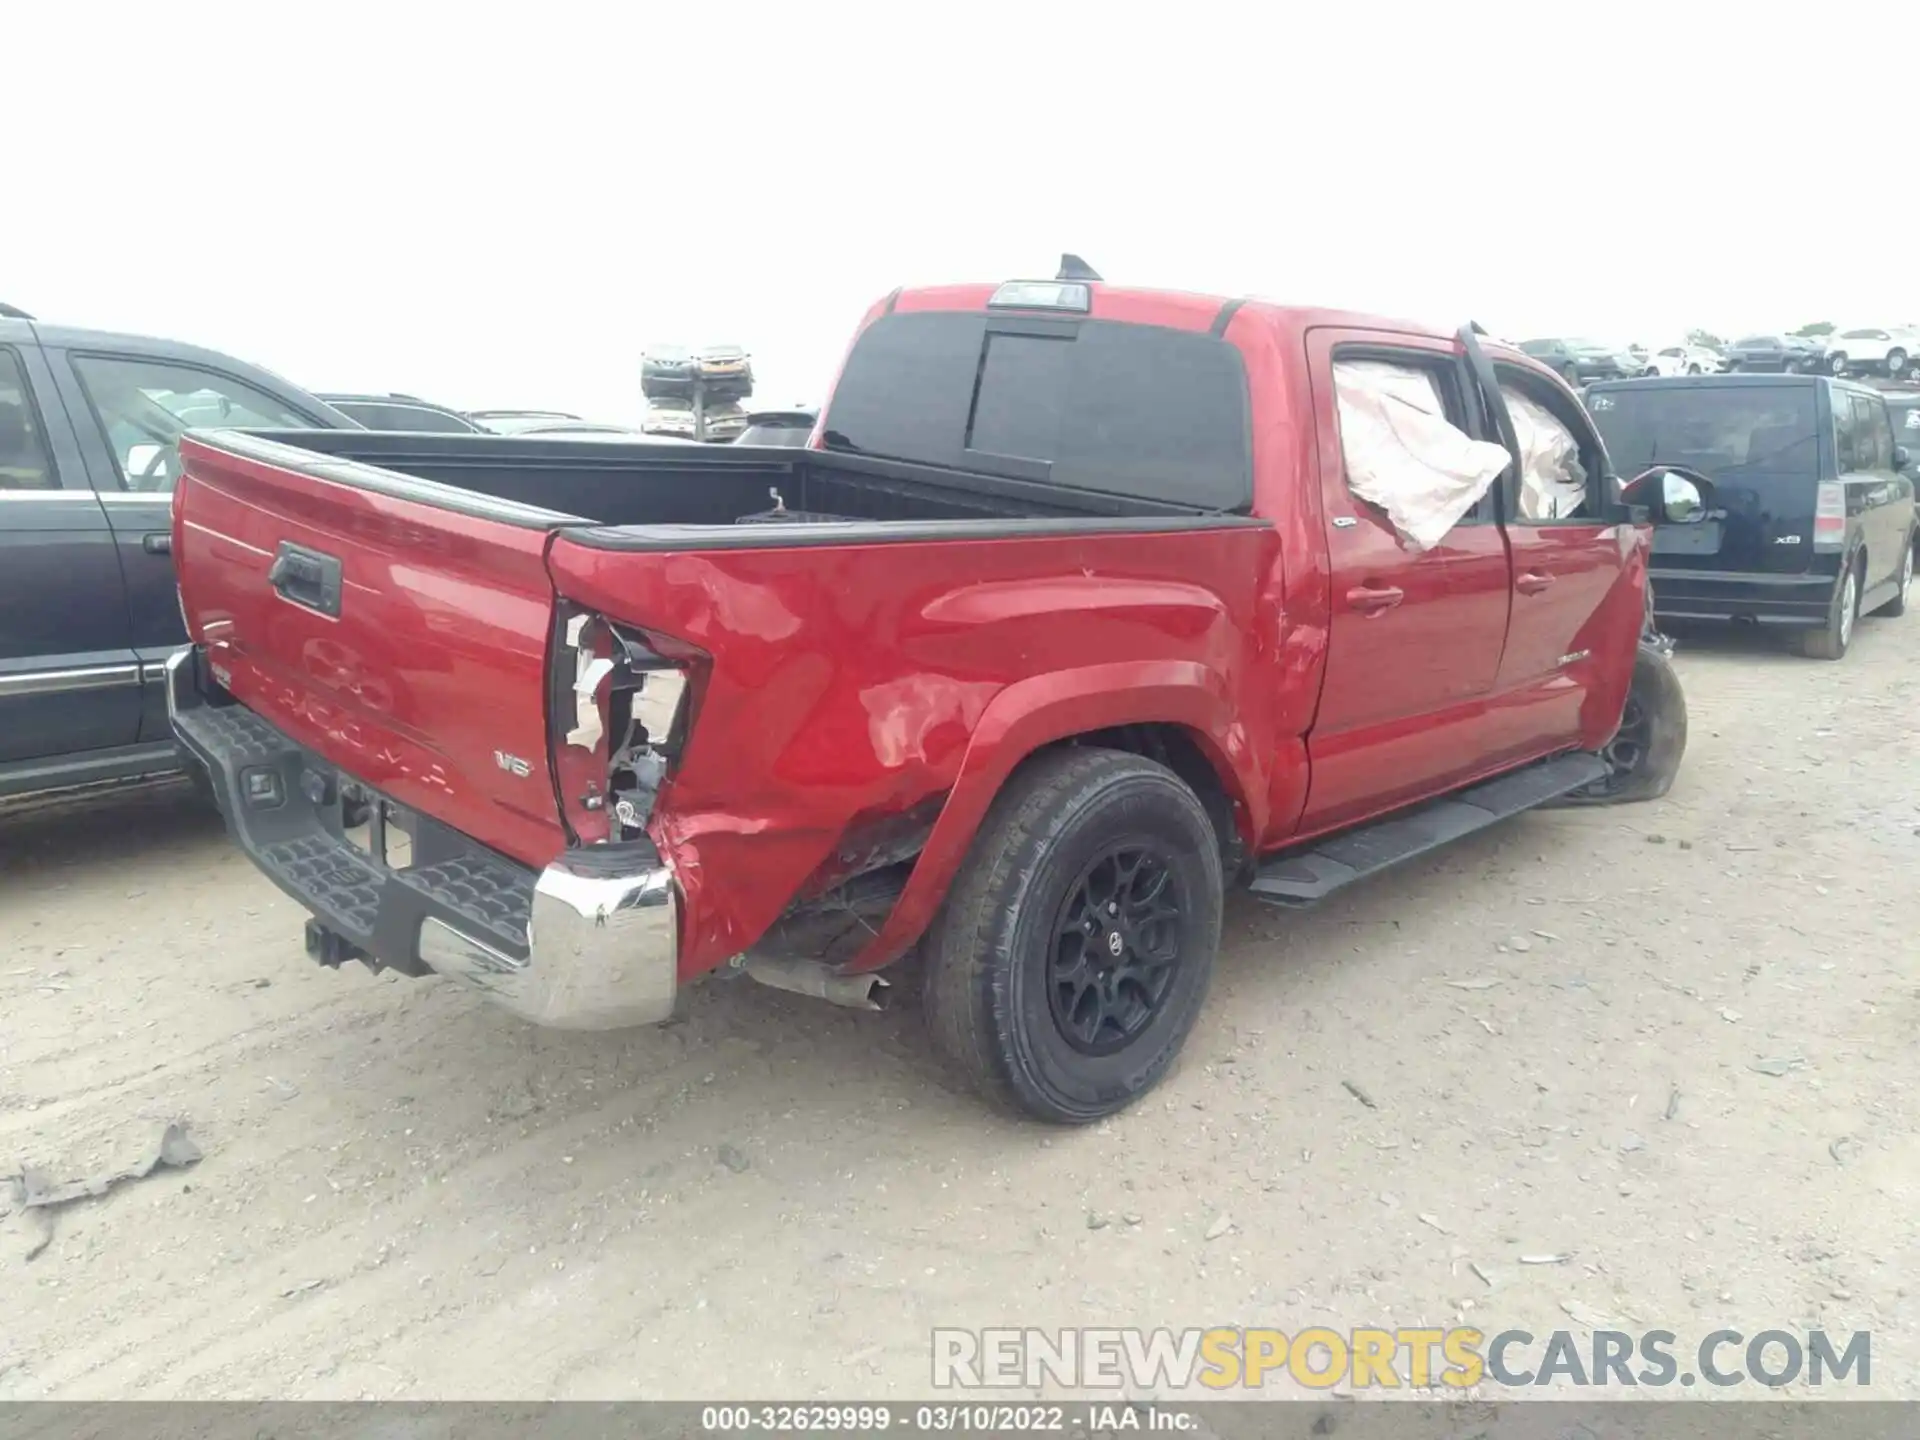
[306,577]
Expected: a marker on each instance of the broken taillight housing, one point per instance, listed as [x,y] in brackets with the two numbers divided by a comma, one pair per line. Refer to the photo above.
[618,720]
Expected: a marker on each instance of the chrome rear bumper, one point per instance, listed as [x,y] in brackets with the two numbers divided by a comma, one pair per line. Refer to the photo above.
[602,951]
[589,943]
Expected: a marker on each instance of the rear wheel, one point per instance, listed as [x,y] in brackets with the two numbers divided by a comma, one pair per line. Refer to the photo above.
[1896,362]
[1831,640]
[1837,362]
[1074,951]
[1898,605]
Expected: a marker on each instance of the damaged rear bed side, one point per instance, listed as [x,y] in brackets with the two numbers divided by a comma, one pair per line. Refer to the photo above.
[860,687]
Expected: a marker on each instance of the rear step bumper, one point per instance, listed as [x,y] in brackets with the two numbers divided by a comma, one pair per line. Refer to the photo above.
[589,943]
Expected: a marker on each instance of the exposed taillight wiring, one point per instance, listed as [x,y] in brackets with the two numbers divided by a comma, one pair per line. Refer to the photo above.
[619,708]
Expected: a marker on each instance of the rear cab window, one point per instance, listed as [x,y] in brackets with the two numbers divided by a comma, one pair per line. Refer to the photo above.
[1126,410]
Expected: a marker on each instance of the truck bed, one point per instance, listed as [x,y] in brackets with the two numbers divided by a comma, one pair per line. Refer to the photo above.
[399,607]
[652,484]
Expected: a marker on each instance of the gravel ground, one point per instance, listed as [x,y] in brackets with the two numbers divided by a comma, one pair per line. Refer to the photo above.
[1555,1026]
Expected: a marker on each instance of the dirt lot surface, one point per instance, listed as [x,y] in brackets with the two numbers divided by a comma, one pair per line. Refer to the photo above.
[1567,1034]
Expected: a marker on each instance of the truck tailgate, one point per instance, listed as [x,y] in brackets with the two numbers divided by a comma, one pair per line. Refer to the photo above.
[403,638]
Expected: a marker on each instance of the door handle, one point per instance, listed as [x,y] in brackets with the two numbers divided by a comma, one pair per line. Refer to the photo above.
[1372,600]
[160,544]
[1532,582]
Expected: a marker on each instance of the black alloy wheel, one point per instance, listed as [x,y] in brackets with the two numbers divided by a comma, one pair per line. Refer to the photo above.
[1116,949]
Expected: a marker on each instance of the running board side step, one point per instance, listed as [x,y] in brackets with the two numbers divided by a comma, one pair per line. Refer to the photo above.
[1306,876]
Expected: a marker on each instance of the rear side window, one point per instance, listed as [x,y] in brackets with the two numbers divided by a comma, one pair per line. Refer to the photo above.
[1875,434]
[1851,447]
[145,406]
[1133,410]
[24,462]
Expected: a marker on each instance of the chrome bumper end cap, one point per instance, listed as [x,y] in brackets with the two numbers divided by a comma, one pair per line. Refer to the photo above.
[603,951]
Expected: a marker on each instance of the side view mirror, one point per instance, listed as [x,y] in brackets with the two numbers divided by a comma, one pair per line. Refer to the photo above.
[1902,457]
[1676,496]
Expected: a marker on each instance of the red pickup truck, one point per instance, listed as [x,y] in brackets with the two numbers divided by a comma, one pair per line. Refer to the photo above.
[1068,619]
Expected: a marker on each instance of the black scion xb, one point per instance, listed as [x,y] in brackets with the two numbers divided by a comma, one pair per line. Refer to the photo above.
[1811,518]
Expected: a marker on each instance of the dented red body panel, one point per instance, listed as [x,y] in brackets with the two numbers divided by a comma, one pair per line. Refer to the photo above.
[847,683]
[835,685]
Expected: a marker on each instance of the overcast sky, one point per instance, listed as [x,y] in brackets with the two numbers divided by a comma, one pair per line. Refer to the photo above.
[506,212]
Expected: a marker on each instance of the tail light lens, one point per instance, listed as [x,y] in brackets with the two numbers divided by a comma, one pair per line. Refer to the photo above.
[618,717]
[1830,516]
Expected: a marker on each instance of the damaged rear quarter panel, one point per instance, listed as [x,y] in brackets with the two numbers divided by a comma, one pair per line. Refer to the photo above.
[852,680]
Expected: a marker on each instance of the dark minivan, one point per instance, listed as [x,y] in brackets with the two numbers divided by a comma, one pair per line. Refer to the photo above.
[1811,519]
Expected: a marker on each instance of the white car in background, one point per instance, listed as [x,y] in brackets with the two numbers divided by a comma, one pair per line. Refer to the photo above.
[1891,349]
[1684,360]
[665,418]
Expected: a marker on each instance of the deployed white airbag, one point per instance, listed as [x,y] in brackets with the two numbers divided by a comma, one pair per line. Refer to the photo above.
[1404,455]
[1553,482]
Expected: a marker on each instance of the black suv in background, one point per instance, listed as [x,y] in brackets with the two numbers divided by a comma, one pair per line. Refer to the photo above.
[1810,523]
[88,607]
[1776,354]
[402,412]
[1582,361]
[1903,406]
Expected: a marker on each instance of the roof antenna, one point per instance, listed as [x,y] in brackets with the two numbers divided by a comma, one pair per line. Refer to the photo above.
[13,312]
[1072,267]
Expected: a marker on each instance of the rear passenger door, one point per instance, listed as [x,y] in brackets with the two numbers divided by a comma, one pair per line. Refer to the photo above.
[1579,572]
[68,681]
[1416,636]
